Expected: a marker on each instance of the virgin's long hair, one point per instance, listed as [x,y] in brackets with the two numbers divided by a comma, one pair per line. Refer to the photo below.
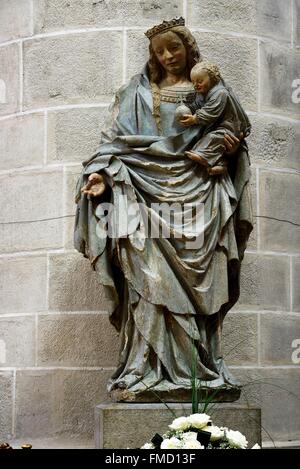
[157,72]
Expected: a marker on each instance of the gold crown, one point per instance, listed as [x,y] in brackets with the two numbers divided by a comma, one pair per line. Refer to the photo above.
[164,26]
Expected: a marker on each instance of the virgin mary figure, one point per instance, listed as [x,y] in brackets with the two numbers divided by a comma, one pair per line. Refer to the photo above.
[171,291]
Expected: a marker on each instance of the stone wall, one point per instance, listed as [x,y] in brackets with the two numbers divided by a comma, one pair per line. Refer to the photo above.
[60,63]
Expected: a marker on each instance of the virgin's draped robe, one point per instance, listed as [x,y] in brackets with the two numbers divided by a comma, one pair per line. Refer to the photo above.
[170,296]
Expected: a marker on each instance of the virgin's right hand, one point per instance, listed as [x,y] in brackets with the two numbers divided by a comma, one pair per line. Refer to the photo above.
[95,185]
[232,143]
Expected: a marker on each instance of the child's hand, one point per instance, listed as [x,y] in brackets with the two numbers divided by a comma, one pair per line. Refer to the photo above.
[188,119]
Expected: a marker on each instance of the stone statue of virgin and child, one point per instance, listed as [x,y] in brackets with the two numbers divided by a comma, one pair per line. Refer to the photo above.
[174,138]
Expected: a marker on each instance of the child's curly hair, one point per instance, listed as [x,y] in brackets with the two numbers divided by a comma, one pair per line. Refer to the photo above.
[212,70]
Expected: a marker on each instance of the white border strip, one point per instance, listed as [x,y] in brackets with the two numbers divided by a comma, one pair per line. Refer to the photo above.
[291,284]
[21,84]
[62,313]
[185,11]
[31,18]
[14,413]
[47,280]
[259,344]
[67,368]
[258,76]
[141,28]
[112,368]
[124,68]
[258,209]
[293,20]
[36,339]
[58,108]
[109,99]
[45,136]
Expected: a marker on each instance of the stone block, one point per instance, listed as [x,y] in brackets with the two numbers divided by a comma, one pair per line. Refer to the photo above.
[71,176]
[250,380]
[232,15]
[6,404]
[32,218]
[273,19]
[23,284]
[74,134]
[296,283]
[59,442]
[278,332]
[280,66]
[276,392]
[270,18]
[137,52]
[9,79]
[22,141]
[84,70]
[77,340]
[15,20]
[69,232]
[126,418]
[264,283]
[17,336]
[57,15]
[58,402]
[237,59]
[240,339]
[279,211]
[274,142]
[74,286]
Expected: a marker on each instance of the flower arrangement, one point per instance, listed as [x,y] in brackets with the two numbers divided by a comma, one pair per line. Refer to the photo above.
[197,432]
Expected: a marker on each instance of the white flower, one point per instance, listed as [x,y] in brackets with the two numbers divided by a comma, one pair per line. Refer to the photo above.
[224,429]
[181,423]
[171,443]
[148,446]
[198,420]
[256,446]
[192,444]
[216,432]
[189,436]
[236,439]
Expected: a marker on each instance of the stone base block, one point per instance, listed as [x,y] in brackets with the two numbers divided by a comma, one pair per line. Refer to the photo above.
[226,393]
[130,425]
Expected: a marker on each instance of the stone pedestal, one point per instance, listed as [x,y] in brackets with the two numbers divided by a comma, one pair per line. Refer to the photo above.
[130,425]
[226,393]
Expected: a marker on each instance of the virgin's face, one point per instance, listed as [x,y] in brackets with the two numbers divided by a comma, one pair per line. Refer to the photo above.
[170,52]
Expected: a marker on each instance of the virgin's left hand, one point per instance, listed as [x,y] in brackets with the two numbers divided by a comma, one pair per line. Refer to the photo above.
[188,119]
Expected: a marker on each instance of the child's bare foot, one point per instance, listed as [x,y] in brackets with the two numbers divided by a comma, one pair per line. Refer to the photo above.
[95,185]
[196,157]
[217,170]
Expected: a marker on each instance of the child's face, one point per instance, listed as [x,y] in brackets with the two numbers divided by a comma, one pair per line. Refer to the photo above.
[201,81]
